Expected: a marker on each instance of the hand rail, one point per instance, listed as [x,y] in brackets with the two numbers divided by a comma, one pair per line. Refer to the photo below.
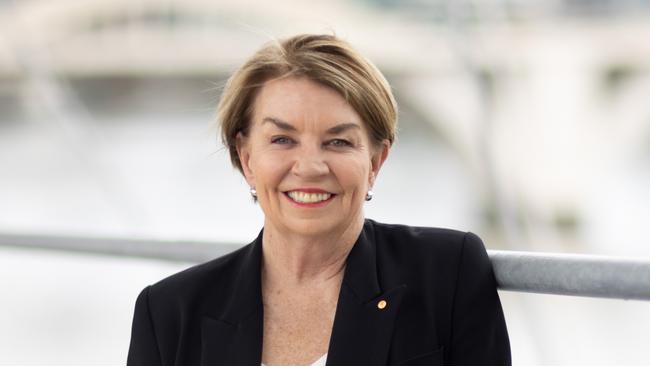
[572,274]
[550,273]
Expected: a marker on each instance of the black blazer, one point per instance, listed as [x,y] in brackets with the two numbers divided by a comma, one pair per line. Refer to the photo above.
[442,306]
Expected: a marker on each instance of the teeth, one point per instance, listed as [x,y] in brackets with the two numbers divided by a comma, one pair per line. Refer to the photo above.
[303,197]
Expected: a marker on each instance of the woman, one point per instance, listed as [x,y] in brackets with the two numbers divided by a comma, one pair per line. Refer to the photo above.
[309,122]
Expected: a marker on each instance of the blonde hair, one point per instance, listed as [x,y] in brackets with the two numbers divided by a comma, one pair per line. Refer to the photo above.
[324,59]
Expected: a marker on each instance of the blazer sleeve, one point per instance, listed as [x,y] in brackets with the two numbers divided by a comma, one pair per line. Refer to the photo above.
[143,350]
[479,335]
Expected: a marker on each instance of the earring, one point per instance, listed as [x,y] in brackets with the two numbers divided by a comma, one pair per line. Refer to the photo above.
[369,195]
[253,194]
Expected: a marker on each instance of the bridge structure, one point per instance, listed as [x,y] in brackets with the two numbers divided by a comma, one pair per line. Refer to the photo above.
[120,37]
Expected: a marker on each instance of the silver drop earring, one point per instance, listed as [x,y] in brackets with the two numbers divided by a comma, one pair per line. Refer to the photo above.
[253,194]
[369,195]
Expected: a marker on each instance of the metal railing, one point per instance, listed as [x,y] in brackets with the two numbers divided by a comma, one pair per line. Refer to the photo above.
[561,274]
[572,274]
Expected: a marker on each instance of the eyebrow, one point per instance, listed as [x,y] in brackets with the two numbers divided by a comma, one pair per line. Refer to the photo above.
[342,128]
[279,123]
[332,130]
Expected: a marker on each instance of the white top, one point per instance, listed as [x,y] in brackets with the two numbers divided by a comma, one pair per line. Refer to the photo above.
[320,362]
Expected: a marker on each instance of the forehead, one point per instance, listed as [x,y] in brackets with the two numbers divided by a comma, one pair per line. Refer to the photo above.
[299,100]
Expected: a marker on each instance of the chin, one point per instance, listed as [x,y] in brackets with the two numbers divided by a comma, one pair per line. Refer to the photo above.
[315,226]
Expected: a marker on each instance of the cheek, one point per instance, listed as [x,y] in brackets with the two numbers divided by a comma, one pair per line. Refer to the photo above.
[269,168]
[352,173]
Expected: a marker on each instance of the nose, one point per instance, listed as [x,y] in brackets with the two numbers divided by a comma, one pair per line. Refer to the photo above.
[310,163]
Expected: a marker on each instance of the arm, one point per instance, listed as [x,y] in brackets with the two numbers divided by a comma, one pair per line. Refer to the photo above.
[479,335]
[143,350]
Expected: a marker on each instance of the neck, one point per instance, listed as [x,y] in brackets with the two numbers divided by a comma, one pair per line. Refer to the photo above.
[296,259]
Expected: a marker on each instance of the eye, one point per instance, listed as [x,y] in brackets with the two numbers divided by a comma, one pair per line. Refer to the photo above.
[281,140]
[339,143]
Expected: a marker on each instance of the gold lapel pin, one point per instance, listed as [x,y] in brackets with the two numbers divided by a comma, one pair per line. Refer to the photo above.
[381,305]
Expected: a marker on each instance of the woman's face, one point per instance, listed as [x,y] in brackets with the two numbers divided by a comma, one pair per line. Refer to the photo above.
[309,156]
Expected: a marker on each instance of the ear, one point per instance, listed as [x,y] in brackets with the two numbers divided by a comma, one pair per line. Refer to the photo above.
[377,159]
[243,150]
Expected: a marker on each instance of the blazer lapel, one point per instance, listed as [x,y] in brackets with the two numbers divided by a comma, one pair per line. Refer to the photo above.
[365,315]
[234,337]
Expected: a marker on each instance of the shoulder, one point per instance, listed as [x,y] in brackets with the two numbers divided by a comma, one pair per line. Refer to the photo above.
[425,252]
[425,239]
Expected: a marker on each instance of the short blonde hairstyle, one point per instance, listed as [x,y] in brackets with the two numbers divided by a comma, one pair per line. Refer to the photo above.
[325,59]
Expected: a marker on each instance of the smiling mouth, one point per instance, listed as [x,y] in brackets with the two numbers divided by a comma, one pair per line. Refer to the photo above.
[304,197]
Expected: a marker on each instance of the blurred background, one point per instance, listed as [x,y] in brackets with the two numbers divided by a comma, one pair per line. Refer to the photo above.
[524,121]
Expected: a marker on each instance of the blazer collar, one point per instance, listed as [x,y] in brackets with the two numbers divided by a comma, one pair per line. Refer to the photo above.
[234,336]
[361,265]
[365,313]
[246,298]
[362,330]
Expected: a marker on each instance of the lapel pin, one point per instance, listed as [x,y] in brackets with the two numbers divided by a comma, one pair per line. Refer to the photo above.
[381,305]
